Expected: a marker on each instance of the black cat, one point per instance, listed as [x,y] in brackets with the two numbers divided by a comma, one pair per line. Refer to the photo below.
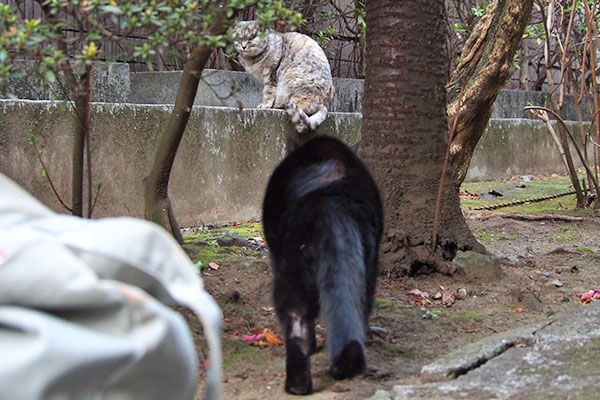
[322,219]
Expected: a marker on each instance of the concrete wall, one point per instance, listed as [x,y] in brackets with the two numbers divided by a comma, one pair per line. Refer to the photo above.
[112,84]
[511,147]
[219,175]
[227,152]
[229,89]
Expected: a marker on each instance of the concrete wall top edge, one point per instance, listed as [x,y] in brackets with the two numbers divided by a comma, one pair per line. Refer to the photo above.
[221,88]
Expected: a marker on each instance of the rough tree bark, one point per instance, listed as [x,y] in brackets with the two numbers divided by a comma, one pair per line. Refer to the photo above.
[405,134]
[483,69]
[80,135]
[158,206]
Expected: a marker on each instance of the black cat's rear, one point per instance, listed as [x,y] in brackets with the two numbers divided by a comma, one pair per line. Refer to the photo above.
[322,219]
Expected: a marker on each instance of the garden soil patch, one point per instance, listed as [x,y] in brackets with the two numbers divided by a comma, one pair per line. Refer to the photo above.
[417,319]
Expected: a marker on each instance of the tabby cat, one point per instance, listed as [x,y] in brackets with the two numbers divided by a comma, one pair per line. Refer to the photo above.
[293,70]
[322,218]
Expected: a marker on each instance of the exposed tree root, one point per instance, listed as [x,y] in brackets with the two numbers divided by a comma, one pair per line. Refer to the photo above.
[401,257]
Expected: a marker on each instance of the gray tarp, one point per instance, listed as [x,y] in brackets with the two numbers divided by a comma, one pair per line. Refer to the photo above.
[82,308]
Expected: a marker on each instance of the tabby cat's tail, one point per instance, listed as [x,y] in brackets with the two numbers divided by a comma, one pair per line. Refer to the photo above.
[342,295]
[302,122]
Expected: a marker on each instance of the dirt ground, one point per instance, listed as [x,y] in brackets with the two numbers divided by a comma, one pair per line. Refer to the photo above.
[544,262]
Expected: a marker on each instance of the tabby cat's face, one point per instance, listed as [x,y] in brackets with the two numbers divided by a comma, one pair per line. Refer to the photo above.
[249,40]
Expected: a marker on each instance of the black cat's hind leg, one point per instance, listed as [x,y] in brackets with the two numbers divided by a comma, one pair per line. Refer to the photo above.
[350,362]
[299,345]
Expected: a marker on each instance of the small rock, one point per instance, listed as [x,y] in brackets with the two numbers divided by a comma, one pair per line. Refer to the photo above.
[527,178]
[232,296]
[556,283]
[513,259]
[340,388]
[528,253]
[461,294]
[377,330]
[381,395]
[479,267]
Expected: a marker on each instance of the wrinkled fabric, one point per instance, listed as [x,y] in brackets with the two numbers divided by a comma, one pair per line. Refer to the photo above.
[84,308]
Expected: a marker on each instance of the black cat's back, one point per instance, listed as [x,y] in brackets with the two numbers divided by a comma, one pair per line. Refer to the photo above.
[322,218]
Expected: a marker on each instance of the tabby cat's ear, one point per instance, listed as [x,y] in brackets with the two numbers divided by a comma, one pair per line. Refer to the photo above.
[291,145]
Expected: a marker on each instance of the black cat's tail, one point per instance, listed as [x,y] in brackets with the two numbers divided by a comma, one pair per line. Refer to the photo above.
[342,294]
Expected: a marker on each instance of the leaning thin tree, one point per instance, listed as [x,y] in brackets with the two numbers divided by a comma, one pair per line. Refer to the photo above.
[158,206]
[484,67]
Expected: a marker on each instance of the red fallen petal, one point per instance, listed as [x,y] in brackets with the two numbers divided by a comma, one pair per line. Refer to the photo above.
[251,338]
[588,295]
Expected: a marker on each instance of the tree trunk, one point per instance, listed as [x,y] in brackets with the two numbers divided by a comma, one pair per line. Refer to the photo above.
[405,134]
[524,66]
[77,155]
[80,92]
[484,67]
[158,206]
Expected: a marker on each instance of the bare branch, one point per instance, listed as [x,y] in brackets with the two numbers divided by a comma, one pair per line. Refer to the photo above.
[47,174]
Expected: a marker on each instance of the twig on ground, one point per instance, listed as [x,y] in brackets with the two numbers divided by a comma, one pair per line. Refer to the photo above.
[541,217]
[562,250]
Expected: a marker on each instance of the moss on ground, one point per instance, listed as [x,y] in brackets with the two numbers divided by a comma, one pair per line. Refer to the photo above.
[491,236]
[203,245]
[521,188]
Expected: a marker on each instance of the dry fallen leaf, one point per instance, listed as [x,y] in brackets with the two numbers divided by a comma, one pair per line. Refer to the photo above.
[268,310]
[262,339]
[419,293]
[448,298]
[213,265]
[517,310]
[272,339]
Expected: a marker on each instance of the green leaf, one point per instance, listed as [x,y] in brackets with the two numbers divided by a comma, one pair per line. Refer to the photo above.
[111,10]
[50,76]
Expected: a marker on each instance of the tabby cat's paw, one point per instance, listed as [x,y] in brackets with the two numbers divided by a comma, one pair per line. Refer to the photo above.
[265,105]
